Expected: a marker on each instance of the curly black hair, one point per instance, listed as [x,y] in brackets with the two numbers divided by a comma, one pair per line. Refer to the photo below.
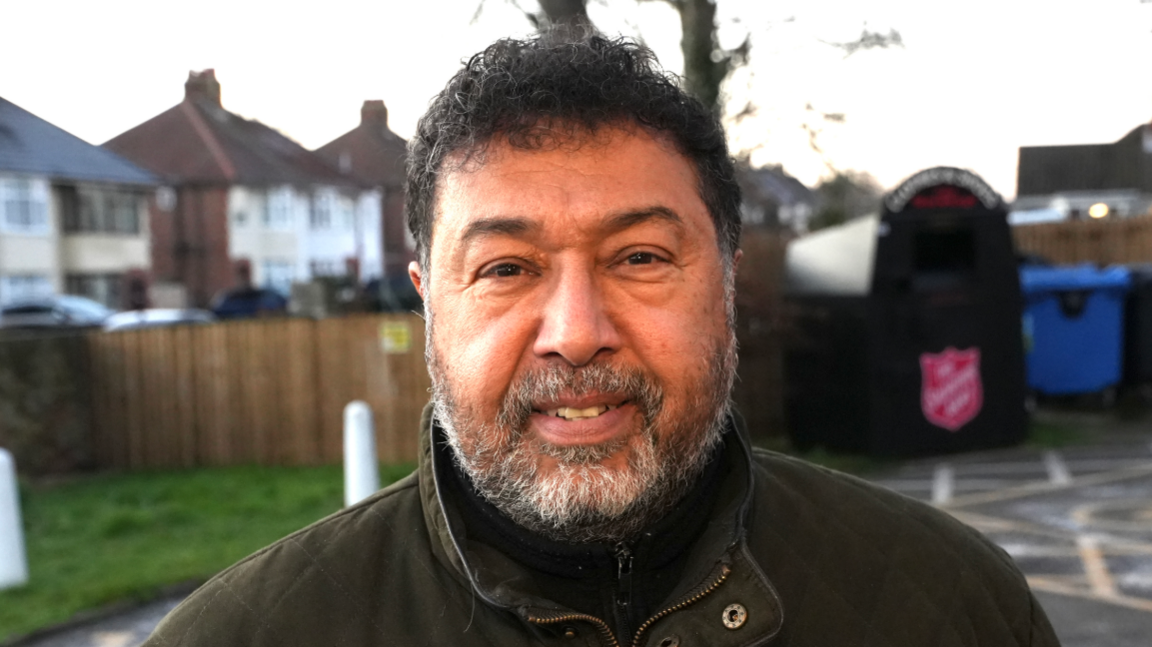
[527,91]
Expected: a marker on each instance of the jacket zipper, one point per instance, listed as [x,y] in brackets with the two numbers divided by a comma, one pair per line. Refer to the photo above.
[606,631]
[725,570]
[623,609]
[601,626]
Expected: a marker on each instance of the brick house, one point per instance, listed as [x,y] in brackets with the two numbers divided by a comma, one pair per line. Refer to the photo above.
[73,216]
[1066,181]
[375,155]
[773,199]
[240,194]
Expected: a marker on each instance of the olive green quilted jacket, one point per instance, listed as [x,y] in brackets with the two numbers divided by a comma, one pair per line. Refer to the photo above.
[795,555]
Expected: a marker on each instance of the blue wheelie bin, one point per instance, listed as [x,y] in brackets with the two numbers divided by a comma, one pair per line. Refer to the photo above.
[1073,327]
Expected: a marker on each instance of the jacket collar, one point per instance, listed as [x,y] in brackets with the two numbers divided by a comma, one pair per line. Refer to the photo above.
[719,561]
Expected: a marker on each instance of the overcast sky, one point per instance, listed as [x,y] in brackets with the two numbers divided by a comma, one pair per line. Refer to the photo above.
[974,81]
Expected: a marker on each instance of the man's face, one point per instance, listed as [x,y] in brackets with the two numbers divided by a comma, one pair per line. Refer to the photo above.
[580,347]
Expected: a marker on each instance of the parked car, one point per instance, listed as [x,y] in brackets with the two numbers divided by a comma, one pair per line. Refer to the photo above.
[58,311]
[157,318]
[249,302]
[393,294]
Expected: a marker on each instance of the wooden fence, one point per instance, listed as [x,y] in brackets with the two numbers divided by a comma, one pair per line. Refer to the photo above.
[1109,241]
[272,391]
[261,391]
[761,325]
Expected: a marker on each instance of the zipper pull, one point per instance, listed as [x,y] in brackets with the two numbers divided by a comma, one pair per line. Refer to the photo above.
[623,574]
[623,560]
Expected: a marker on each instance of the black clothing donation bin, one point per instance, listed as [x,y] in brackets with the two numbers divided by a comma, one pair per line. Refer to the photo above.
[906,338]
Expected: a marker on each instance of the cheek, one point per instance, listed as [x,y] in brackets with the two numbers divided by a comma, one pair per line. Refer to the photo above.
[678,345]
[478,352]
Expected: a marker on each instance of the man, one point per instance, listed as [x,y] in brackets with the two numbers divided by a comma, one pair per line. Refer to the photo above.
[582,477]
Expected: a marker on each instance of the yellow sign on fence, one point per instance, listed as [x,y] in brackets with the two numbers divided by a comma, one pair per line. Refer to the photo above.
[395,337]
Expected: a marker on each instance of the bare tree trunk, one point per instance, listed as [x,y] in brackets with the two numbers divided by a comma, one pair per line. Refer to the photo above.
[702,74]
[566,12]
[567,19]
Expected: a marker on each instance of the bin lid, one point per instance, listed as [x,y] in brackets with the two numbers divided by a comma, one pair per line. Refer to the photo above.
[1037,279]
[837,261]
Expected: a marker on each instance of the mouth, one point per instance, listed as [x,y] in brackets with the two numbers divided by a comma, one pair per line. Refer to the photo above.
[577,413]
[587,423]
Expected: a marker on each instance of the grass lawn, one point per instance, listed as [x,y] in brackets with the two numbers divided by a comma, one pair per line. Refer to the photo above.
[97,539]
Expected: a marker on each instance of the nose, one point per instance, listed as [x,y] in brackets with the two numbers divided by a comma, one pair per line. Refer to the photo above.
[575,324]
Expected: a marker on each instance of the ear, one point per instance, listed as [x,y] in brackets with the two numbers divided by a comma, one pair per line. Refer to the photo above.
[736,259]
[417,278]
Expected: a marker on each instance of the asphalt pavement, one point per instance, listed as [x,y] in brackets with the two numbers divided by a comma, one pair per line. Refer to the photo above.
[1077,520]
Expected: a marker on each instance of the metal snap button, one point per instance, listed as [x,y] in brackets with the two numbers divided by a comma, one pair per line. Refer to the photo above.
[569,632]
[735,615]
[670,641]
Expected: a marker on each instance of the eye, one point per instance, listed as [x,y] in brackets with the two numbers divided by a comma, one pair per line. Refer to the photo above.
[504,270]
[642,258]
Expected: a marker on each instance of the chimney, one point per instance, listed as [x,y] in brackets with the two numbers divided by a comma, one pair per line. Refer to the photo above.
[202,85]
[373,113]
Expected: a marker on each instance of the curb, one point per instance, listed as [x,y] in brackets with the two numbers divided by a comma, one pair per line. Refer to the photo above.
[106,612]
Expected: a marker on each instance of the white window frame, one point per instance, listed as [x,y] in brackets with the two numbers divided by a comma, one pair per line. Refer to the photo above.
[278,209]
[322,215]
[29,196]
[278,274]
[18,287]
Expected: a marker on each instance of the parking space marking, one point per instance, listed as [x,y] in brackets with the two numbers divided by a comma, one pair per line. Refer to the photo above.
[1053,585]
[942,482]
[1095,549]
[1099,577]
[1057,470]
[1028,489]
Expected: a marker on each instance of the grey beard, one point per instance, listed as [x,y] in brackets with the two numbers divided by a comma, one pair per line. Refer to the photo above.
[581,500]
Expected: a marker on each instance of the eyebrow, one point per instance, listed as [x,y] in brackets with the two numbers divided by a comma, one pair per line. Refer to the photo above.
[518,227]
[622,221]
[510,226]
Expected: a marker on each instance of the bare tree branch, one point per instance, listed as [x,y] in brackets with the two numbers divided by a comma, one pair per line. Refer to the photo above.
[869,40]
[479,10]
[814,132]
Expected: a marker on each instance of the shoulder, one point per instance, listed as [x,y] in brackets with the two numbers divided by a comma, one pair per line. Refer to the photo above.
[836,545]
[816,499]
[323,580]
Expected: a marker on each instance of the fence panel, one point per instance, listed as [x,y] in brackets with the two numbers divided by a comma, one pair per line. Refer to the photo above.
[760,328]
[273,391]
[400,372]
[1106,242]
[266,391]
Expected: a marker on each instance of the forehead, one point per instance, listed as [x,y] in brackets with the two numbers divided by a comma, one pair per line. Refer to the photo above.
[577,178]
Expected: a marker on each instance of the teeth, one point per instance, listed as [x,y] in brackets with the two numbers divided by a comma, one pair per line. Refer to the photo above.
[572,413]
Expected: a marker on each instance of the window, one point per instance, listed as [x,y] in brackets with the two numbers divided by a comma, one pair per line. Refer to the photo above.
[99,210]
[323,204]
[943,258]
[104,288]
[328,267]
[278,275]
[346,210]
[278,208]
[24,206]
[18,287]
[948,250]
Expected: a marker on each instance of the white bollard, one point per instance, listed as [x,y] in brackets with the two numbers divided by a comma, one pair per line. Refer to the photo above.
[13,561]
[361,471]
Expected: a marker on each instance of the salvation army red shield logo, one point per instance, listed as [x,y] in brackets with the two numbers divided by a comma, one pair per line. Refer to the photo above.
[951,393]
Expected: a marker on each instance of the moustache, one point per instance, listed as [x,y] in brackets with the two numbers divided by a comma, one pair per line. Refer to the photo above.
[559,381]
